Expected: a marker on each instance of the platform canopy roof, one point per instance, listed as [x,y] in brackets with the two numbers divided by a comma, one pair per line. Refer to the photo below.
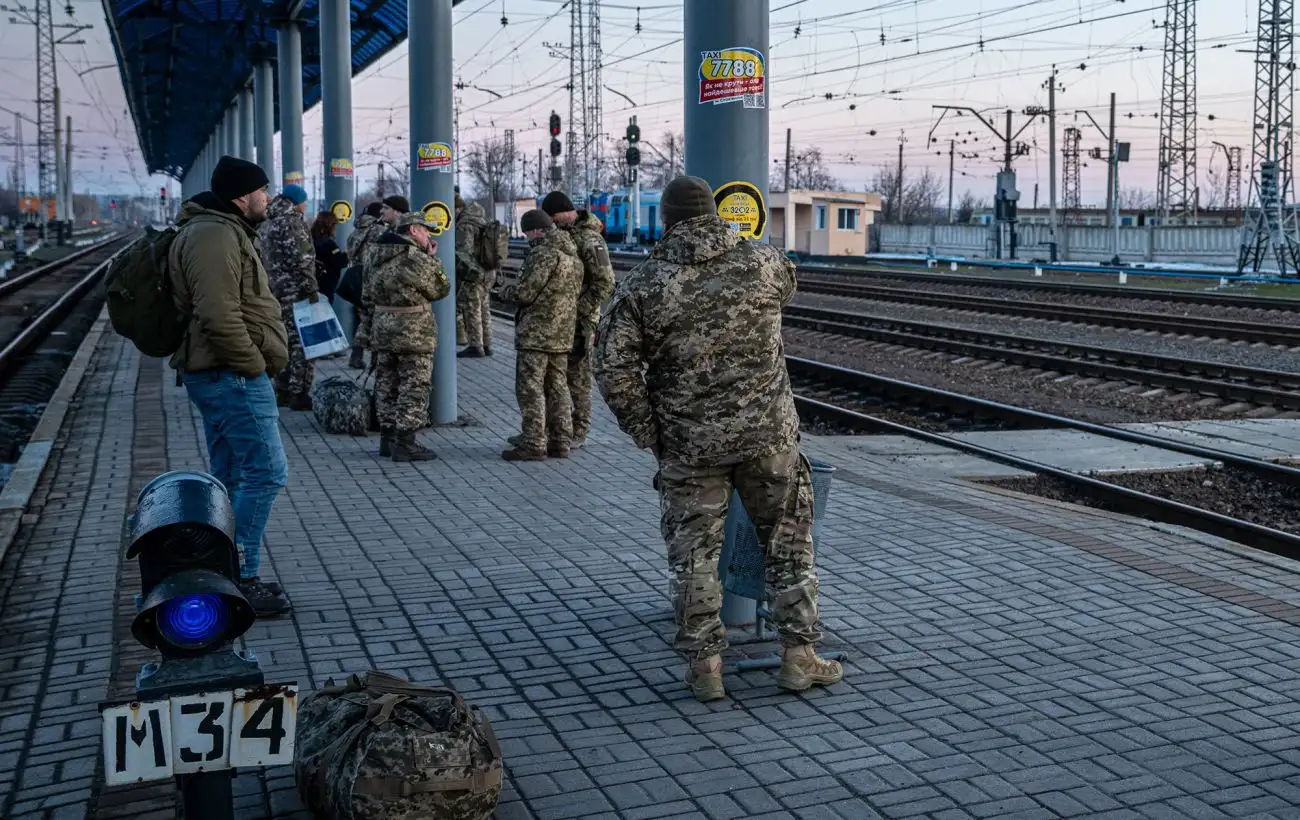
[183,61]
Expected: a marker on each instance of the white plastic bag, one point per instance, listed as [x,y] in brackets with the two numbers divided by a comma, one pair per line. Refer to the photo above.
[318,328]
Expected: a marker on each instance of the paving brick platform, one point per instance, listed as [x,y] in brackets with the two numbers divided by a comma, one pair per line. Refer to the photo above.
[1009,657]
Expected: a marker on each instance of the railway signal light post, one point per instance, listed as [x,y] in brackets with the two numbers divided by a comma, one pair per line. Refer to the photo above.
[204,709]
[556,148]
[634,178]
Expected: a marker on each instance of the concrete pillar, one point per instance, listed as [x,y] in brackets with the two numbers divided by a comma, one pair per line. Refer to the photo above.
[730,137]
[247,142]
[290,80]
[726,43]
[336,123]
[228,132]
[432,167]
[264,117]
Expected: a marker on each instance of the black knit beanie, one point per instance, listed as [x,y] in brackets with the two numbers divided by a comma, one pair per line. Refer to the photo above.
[534,220]
[234,177]
[374,208]
[557,202]
[398,203]
[685,198]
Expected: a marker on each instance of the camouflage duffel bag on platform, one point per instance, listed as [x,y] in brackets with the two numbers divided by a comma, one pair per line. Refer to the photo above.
[380,747]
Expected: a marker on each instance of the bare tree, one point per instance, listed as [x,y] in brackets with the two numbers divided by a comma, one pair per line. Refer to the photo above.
[808,172]
[885,183]
[1216,188]
[966,208]
[488,164]
[921,197]
[1136,199]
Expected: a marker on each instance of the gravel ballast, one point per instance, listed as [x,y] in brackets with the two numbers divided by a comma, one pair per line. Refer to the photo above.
[1268,357]
[1085,399]
[1229,492]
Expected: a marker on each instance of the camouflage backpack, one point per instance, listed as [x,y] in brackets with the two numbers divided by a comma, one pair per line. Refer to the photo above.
[493,245]
[381,747]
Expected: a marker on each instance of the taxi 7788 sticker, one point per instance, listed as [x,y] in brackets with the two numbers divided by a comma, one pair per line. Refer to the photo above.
[733,75]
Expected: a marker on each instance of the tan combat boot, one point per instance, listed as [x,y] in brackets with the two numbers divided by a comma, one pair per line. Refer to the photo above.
[801,669]
[704,677]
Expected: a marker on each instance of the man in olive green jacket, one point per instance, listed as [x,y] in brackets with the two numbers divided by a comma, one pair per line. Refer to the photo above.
[236,341]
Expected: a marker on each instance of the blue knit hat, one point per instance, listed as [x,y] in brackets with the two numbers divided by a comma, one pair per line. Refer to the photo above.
[295,193]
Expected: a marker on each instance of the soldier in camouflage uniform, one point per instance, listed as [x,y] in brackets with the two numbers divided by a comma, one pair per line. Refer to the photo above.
[690,360]
[472,281]
[587,233]
[290,261]
[404,279]
[547,295]
[369,227]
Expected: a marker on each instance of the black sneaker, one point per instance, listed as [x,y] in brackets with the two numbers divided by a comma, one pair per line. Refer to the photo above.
[264,601]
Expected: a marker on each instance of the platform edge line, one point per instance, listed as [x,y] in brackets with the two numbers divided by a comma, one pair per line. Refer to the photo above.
[27,473]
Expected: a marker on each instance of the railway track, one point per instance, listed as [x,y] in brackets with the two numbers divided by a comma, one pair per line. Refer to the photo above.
[1233,383]
[1249,332]
[851,400]
[44,315]
[1083,289]
[826,396]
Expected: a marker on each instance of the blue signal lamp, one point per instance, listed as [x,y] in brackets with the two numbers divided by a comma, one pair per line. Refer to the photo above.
[192,613]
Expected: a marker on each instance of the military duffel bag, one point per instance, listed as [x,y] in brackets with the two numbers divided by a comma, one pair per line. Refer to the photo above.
[382,747]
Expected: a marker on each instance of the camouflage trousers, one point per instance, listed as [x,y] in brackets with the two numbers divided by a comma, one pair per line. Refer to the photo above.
[475,305]
[543,394]
[402,385]
[579,377]
[462,338]
[296,379]
[777,494]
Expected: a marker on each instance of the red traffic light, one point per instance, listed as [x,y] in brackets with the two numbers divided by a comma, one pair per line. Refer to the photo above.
[555,124]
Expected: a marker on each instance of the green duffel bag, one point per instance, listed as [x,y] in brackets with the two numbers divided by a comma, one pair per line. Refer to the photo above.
[381,747]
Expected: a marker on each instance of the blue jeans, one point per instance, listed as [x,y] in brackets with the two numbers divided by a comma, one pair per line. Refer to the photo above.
[242,425]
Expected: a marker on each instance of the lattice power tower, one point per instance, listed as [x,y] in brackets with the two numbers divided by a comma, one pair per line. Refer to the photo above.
[1270,222]
[1072,200]
[582,154]
[1176,191]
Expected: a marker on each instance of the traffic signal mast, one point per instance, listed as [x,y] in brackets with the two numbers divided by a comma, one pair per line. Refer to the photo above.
[203,709]
[556,150]
[633,163]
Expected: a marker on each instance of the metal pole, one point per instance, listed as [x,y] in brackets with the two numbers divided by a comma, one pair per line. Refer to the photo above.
[1110,163]
[788,154]
[336,126]
[898,208]
[432,181]
[264,116]
[208,795]
[58,172]
[290,70]
[727,133]
[1114,165]
[952,147]
[227,133]
[1051,153]
[69,204]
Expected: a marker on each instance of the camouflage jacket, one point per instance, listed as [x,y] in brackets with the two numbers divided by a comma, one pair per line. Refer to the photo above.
[287,252]
[368,231]
[690,357]
[597,272]
[547,295]
[402,283]
[469,229]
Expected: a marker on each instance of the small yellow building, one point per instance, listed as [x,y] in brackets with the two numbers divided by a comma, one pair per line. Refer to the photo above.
[821,223]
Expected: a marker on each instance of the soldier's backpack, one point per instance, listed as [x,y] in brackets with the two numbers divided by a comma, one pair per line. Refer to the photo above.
[493,245]
[381,747]
[139,295]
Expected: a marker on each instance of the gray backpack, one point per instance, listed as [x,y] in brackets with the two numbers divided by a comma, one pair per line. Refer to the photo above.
[381,747]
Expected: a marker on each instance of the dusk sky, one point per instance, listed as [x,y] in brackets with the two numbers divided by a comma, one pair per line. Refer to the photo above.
[932,55]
